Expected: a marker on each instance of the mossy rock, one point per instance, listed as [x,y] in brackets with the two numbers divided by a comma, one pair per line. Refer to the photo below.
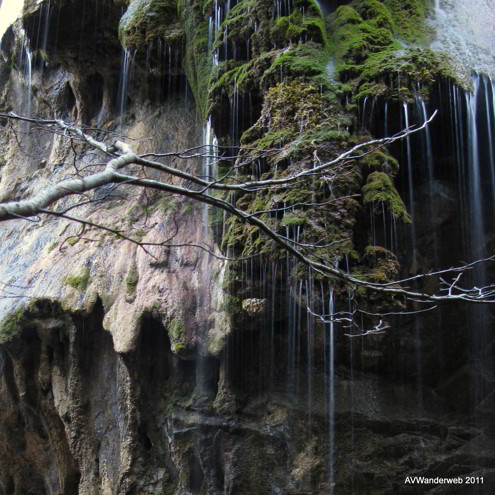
[147,20]
[177,328]
[15,322]
[379,161]
[379,189]
[381,264]
[79,281]
[131,282]
[196,61]
[12,325]
[368,41]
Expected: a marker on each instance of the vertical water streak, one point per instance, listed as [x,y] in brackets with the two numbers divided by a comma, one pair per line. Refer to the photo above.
[127,61]
[28,83]
[169,83]
[428,160]
[210,33]
[385,120]
[372,113]
[309,352]
[331,392]
[234,115]
[459,139]
[489,119]
[363,121]
[410,187]
[474,177]
[210,148]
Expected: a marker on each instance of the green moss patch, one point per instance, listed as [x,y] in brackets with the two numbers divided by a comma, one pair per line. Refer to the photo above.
[131,280]
[17,320]
[368,40]
[379,190]
[80,281]
[147,20]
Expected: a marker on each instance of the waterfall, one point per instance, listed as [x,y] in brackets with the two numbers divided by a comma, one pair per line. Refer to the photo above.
[234,115]
[42,37]
[363,120]
[410,181]
[480,217]
[449,184]
[474,179]
[331,392]
[26,63]
[385,120]
[210,148]
[210,143]
[28,82]
[126,72]
[490,121]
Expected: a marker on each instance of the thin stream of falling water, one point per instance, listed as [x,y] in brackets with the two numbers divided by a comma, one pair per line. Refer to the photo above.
[28,84]
[274,267]
[428,159]
[385,120]
[363,120]
[331,392]
[476,216]
[210,147]
[479,316]
[310,350]
[127,62]
[350,308]
[459,139]
[26,62]
[210,33]
[41,46]
[410,186]
[372,112]
[491,157]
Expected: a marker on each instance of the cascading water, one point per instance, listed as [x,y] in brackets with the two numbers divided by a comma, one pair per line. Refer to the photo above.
[210,148]
[126,72]
[330,390]
[28,82]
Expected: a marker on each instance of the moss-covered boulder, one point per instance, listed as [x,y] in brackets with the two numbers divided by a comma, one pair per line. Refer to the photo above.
[380,190]
[148,20]
[382,48]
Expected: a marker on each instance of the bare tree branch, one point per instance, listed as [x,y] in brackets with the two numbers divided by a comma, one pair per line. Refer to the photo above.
[120,156]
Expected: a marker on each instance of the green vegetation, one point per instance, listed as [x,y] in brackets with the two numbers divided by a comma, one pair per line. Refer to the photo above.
[147,20]
[12,325]
[380,264]
[232,305]
[368,39]
[196,59]
[380,189]
[131,280]
[177,328]
[52,246]
[21,317]
[79,282]
[378,161]
[72,241]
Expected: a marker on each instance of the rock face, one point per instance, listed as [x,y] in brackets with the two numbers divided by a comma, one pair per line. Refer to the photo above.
[168,371]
